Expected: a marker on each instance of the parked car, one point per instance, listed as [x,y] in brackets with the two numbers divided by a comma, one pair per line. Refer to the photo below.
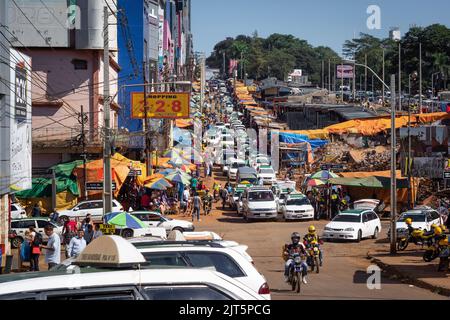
[228,260]
[422,217]
[247,174]
[114,279]
[93,207]
[371,204]
[17,211]
[156,219]
[259,203]
[20,226]
[234,166]
[353,225]
[297,207]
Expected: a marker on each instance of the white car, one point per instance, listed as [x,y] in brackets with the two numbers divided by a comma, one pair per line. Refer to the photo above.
[234,166]
[17,211]
[116,280]
[422,217]
[93,207]
[259,203]
[20,226]
[267,174]
[353,225]
[297,207]
[156,219]
[227,259]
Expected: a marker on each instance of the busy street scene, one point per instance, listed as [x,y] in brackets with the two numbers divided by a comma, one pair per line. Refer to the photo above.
[152,150]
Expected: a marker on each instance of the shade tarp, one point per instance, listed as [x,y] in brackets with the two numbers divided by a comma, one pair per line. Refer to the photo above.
[320,134]
[184,123]
[295,138]
[66,169]
[42,187]
[369,182]
[120,169]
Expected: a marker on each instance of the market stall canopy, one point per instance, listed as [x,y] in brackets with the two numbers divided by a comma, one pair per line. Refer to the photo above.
[158,184]
[314,183]
[42,188]
[324,175]
[184,123]
[66,169]
[120,167]
[369,182]
[319,134]
[179,176]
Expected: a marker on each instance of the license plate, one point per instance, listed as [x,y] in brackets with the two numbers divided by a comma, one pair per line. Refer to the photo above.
[262,215]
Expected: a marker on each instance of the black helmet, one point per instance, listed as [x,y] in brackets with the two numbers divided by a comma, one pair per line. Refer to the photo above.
[295,237]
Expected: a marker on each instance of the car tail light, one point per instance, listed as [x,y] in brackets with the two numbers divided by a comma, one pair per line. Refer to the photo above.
[264,289]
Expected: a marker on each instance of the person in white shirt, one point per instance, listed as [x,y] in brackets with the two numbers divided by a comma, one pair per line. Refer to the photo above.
[77,244]
[97,233]
[53,247]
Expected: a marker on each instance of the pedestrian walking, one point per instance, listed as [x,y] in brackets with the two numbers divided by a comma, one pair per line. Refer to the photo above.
[77,244]
[89,234]
[36,211]
[224,196]
[69,231]
[185,200]
[97,232]
[35,240]
[53,247]
[197,203]
[87,221]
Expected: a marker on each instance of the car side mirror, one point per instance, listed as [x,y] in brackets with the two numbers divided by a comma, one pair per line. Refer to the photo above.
[76,209]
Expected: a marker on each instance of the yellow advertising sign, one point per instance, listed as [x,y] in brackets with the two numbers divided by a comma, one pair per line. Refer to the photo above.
[108,229]
[161,105]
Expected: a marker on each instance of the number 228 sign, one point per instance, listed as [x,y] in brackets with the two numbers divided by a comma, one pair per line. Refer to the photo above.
[160,105]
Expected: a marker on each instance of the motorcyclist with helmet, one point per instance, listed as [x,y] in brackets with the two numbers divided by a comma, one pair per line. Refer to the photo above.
[207,202]
[289,250]
[312,236]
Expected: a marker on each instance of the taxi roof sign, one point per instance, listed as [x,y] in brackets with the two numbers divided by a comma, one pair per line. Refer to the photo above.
[110,251]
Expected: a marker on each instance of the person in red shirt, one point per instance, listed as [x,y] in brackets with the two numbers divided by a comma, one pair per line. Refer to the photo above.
[145,201]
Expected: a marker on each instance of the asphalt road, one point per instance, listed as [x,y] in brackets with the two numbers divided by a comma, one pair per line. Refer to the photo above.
[343,275]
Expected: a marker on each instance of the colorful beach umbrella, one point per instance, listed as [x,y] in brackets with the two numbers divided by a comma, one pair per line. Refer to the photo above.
[179,176]
[324,175]
[158,184]
[314,183]
[124,220]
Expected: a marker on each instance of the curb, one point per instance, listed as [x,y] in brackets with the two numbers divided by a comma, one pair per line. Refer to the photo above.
[407,279]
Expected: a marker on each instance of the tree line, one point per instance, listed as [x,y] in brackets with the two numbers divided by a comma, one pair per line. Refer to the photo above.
[279,54]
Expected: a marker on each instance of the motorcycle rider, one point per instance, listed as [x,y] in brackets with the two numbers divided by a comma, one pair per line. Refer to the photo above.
[295,247]
[207,201]
[313,236]
[409,222]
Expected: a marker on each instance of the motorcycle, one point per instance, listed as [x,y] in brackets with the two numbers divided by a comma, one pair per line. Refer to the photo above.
[296,273]
[433,251]
[207,206]
[444,256]
[417,237]
[313,258]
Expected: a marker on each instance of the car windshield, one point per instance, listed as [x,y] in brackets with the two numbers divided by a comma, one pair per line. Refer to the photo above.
[236,165]
[261,196]
[283,196]
[414,216]
[347,218]
[262,161]
[270,171]
[298,202]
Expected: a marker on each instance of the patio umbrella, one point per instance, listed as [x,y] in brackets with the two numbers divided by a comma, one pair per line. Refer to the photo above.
[314,183]
[324,175]
[185,168]
[179,177]
[159,184]
[167,171]
[124,220]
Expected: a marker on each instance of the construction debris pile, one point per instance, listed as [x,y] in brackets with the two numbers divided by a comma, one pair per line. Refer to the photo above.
[357,160]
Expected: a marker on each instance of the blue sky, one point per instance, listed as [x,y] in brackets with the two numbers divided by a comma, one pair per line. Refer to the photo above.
[320,22]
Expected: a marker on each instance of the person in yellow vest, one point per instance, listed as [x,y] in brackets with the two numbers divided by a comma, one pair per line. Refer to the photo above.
[334,204]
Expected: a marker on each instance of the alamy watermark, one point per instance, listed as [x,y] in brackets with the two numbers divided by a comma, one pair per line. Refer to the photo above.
[374,280]
[374,19]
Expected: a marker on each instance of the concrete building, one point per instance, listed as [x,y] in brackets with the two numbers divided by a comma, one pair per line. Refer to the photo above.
[67,60]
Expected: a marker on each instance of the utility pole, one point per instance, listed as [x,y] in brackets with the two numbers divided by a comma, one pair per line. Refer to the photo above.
[84,155]
[420,77]
[342,82]
[202,80]
[242,65]
[224,66]
[400,75]
[409,146]
[393,170]
[323,75]
[384,77]
[329,75]
[107,179]
[148,158]
[365,76]
[354,81]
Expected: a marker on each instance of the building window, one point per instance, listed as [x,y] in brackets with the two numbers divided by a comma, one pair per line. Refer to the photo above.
[79,64]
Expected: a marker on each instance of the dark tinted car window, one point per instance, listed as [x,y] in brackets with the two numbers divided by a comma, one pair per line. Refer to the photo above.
[199,292]
[42,224]
[165,259]
[219,261]
[103,294]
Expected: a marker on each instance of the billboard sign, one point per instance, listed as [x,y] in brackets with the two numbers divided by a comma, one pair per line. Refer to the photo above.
[161,105]
[428,167]
[344,71]
[15,130]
